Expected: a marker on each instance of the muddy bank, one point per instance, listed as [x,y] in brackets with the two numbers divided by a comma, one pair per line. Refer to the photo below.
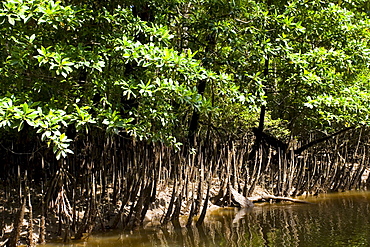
[34,228]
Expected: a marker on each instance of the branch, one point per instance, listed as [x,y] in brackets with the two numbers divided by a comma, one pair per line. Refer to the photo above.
[245,22]
[314,142]
[271,140]
[267,197]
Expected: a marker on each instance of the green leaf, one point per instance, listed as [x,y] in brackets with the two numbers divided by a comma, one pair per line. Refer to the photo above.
[32,38]
[11,20]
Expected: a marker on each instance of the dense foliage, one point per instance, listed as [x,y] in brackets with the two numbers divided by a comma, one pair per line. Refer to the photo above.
[148,69]
[67,65]
[307,61]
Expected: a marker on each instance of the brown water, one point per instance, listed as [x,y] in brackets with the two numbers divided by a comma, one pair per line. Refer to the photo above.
[341,219]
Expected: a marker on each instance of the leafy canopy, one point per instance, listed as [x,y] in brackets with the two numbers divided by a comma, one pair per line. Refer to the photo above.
[66,65]
[134,68]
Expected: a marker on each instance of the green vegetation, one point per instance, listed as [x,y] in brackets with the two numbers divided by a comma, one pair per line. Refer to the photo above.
[87,86]
[143,68]
[66,65]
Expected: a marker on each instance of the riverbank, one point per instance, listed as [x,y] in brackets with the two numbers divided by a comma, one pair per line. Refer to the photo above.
[131,186]
[333,220]
[155,215]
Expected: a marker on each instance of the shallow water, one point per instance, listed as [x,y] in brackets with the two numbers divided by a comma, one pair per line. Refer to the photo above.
[341,219]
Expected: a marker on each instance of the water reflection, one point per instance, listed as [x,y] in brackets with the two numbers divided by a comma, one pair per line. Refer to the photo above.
[334,220]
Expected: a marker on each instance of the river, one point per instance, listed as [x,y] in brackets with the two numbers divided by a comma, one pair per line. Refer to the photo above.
[340,219]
